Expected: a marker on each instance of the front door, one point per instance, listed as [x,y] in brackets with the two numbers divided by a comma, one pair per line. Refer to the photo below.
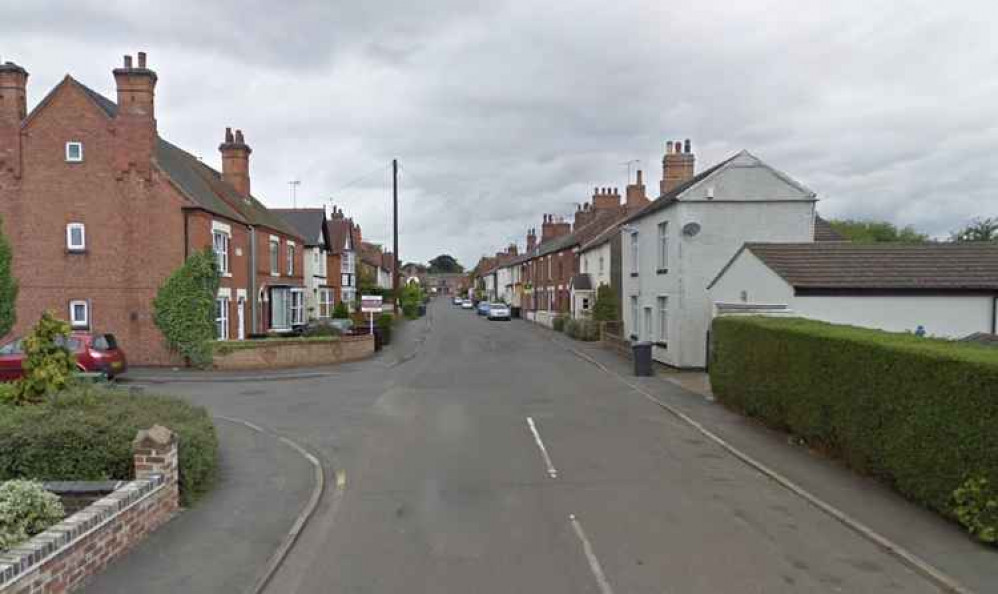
[240,318]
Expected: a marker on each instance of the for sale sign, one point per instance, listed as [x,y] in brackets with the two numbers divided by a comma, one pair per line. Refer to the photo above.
[370,303]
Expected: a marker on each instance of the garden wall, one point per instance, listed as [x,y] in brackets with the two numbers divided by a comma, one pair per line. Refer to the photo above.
[65,556]
[309,352]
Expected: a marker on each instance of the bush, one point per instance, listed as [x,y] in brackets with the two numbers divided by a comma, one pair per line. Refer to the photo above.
[8,286]
[558,323]
[86,433]
[341,311]
[48,364]
[26,509]
[977,509]
[410,299]
[918,413]
[184,308]
[384,323]
[605,309]
[582,329]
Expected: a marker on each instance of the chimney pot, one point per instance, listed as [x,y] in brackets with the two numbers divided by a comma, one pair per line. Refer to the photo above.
[128,61]
[239,137]
[668,148]
[228,134]
[686,146]
[142,59]
[639,182]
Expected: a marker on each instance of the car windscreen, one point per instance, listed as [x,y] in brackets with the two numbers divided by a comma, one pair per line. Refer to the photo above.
[105,342]
[11,348]
[71,343]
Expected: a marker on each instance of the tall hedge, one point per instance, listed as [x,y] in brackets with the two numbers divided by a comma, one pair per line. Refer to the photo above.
[184,308]
[921,414]
[8,286]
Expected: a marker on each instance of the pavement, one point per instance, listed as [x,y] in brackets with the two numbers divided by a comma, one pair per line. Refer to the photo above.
[477,456]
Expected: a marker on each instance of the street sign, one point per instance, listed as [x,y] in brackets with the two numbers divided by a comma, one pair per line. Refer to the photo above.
[370,303]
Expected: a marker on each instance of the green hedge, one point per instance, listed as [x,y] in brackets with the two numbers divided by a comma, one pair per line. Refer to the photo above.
[921,414]
[582,329]
[86,433]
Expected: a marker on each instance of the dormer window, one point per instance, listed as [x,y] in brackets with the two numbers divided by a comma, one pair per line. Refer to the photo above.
[76,237]
[74,152]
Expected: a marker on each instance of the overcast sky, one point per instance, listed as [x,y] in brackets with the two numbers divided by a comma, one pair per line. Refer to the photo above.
[501,111]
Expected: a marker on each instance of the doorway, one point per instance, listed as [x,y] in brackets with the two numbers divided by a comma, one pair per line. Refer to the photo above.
[241,318]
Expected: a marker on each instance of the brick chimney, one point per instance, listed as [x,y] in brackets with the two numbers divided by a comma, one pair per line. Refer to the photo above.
[135,124]
[235,161]
[512,250]
[583,215]
[554,227]
[13,110]
[531,239]
[678,165]
[606,199]
[637,197]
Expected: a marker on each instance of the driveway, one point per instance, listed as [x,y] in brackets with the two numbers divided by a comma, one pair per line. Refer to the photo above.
[479,456]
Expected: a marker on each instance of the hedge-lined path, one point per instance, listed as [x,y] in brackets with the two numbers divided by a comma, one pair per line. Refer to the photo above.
[941,543]
[221,543]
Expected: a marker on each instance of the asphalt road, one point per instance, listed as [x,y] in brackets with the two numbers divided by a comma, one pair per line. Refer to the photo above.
[483,457]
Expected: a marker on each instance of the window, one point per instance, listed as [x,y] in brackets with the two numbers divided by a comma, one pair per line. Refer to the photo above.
[634,317]
[220,243]
[585,264]
[634,253]
[663,246]
[79,314]
[76,237]
[601,264]
[549,268]
[648,324]
[347,263]
[222,318]
[280,308]
[74,152]
[275,256]
[291,259]
[349,295]
[585,304]
[297,307]
[325,303]
[663,319]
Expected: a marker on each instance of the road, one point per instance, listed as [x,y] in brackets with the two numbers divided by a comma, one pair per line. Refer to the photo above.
[491,459]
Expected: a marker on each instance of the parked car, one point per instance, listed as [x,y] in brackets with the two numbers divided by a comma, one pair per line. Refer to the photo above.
[499,311]
[95,353]
[458,301]
[483,308]
[467,304]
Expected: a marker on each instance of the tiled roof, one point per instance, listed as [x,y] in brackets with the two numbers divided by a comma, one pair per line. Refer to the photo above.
[339,229]
[371,254]
[672,195]
[823,231]
[883,266]
[582,282]
[309,222]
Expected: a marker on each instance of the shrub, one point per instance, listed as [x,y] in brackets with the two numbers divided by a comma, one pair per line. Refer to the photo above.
[918,413]
[410,299]
[26,509]
[8,286]
[48,364]
[184,308]
[341,311]
[384,323]
[86,433]
[558,323]
[605,309]
[977,509]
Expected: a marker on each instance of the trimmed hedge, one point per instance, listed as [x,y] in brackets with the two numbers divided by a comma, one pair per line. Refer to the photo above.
[919,413]
[582,329]
[86,433]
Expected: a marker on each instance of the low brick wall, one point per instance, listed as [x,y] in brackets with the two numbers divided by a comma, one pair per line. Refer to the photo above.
[65,556]
[274,354]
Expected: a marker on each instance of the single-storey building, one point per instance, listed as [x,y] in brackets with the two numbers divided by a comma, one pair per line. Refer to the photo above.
[949,289]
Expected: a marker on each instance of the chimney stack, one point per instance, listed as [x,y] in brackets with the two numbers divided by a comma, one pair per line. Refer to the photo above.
[531,240]
[135,123]
[678,165]
[637,197]
[13,110]
[235,162]
[606,199]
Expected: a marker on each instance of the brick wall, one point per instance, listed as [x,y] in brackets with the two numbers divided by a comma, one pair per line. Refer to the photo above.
[65,556]
[275,354]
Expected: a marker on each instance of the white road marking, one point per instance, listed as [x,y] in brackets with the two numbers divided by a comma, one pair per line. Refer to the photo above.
[540,444]
[604,585]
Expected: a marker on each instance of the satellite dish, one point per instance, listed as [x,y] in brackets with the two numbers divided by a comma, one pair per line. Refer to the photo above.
[691,229]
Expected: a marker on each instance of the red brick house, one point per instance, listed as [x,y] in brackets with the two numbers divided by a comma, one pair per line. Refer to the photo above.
[341,259]
[100,210]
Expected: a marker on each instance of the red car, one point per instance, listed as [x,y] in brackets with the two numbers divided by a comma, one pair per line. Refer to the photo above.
[95,353]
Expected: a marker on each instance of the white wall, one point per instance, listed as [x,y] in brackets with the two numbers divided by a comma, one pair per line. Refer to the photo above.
[314,276]
[589,263]
[748,277]
[751,203]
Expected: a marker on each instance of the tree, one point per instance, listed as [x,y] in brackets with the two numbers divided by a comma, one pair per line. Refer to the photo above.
[8,286]
[876,232]
[976,230]
[445,263]
[184,308]
[605,309]
[48,364]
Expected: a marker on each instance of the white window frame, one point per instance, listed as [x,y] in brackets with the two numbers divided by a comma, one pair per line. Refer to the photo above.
[635,314]
[82,247]
[635,253]
[601,264]
[649,323]
[286,309]
[297,305]
[275,256]
[290,254]
[662,302]
[73,320]
[77,145]
[663,246]
[222,318]
[326,299]
[222,257]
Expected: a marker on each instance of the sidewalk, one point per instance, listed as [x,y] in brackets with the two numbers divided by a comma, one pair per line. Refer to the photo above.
[222,543]
[940,543]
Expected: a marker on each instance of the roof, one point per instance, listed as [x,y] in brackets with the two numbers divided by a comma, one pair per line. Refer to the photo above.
[339,228]
[199,183]
[371,255]
[983,338]
[845,266]
[308,222]
[582,282]
[823,231]
[603,220]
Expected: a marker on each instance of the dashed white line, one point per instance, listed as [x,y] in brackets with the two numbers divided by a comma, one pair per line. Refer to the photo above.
[604,584]
[540,444]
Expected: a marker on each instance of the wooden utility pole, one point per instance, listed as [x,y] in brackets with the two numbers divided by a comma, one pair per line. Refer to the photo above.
[395,232]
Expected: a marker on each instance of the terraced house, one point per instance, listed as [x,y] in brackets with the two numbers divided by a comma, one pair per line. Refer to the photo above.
[100,210]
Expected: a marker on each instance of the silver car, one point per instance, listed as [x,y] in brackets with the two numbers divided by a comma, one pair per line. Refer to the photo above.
[499,311]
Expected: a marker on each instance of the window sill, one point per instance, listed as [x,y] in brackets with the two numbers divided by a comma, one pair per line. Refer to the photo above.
[662,345]
[634,275]
[275,274]
[662,271]
[76,251]
[226,275]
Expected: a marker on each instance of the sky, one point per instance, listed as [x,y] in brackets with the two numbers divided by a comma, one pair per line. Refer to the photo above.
[501,111]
